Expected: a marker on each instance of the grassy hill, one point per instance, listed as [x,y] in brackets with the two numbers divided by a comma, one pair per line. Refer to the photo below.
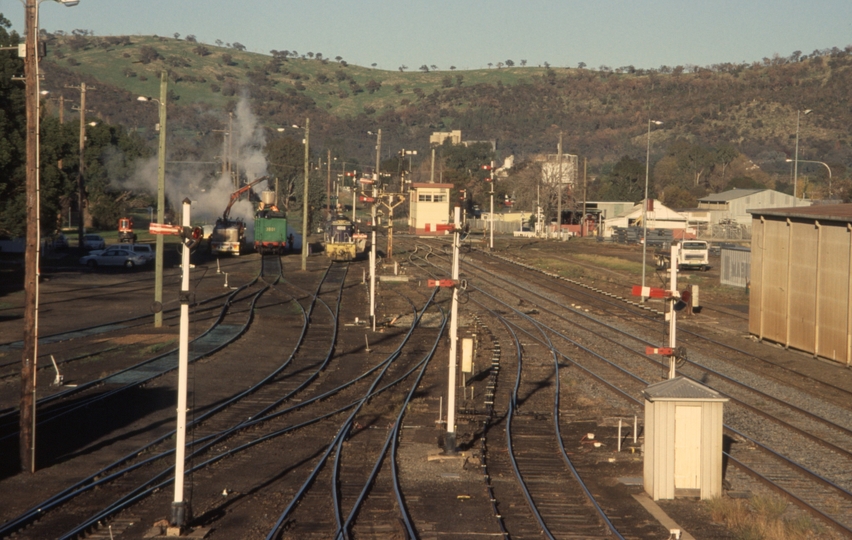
[602,114]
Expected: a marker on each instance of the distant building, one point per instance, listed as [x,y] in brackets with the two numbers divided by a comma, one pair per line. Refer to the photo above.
[429,207]
[659,217]
[438,137]
[550,169]
[734,205]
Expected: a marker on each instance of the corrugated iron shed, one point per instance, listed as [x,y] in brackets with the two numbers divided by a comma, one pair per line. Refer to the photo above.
[801,279]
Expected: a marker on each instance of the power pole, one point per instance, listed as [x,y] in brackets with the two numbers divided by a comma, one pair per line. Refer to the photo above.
[31,262]
[559,188]
[328,187]
[161,202]
[81,191]
[305,196]
[585,163]
[450,442]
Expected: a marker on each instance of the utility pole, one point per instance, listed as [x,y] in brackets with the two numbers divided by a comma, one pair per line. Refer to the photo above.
[81,191]
[373,259]
[161,202]
[432,171]
[585,163]
[559,188]
[328,187]
[390,205]
[234,181]
[672,313]
[31,263]
[305,196]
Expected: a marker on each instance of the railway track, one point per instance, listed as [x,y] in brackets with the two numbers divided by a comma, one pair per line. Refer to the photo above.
[836,508]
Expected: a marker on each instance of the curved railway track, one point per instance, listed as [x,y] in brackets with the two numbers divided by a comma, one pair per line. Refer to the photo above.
[834,511]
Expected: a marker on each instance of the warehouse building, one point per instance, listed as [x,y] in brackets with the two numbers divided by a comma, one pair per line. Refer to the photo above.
[801,279]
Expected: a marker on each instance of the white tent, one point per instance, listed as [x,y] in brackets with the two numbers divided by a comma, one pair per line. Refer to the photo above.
[660,217]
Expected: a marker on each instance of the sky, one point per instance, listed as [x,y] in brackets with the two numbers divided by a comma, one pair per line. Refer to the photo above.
[470,34]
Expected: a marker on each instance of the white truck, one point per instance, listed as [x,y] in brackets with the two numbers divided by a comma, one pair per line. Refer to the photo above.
[692,254]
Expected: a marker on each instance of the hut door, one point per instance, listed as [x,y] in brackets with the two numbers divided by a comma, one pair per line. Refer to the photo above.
[687,473]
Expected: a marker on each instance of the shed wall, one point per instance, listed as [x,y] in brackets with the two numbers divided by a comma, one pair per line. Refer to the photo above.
[800,285]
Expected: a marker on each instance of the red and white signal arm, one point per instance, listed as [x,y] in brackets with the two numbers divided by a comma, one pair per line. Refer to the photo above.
[365,199]
[664,351]
[651,292]
[351,173]
[444,227]
[442,282]
[160,228]
[365,180]
[486,167]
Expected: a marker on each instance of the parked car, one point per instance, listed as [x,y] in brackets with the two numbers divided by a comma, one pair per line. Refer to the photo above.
[93,241]
[144,250]
[114,256]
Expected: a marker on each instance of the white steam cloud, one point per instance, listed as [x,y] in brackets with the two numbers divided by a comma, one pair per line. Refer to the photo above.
[248,163]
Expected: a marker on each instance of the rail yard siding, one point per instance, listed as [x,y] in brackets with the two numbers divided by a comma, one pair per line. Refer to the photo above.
[801,282]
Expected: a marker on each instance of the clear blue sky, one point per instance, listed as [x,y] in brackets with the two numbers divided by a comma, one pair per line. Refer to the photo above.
[469,34]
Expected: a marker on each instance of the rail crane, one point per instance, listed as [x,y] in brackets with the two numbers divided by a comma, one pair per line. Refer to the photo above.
[229,235]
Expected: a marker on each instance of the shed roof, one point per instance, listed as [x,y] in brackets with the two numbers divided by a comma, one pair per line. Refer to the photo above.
[730,195]
[826,212]
[681,389]
[431,185]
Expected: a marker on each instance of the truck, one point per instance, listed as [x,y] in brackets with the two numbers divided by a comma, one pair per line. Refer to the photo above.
[693,254]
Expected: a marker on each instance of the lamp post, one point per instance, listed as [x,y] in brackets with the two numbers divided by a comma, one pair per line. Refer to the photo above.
[645,203]
[796,156]
[29,356]
[821,163]
[305,196]
[373,233]
[161,199]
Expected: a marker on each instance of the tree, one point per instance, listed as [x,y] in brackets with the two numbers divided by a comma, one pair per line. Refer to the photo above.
[626,181]
[201,50]
[509,63]
[452,68]
[238,46]
[191,38]
[490,65]
[373,86]
[148,54]
[523,63]
[227,59]
[725,154]
[218,42]
[434,67]
[177,35]
[373,65]
[424,68]
[338,58]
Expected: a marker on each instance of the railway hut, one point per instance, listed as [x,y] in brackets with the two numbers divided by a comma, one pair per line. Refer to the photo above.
[801,279]
[430,207]
[683,440]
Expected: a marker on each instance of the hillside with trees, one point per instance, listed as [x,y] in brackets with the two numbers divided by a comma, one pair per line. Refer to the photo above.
[723,126]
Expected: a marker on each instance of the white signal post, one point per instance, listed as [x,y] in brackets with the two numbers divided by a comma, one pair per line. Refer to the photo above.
[491,214]
[450,443]
[673,314]
[373,259]
[179,506]
[180,509]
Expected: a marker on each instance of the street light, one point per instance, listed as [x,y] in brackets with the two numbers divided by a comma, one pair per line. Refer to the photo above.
[796,157]
[307,129]
[27,417]
[821,163]
[161,199]
[645,203]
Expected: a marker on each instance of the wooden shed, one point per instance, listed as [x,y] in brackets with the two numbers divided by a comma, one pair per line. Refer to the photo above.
[683,440]
[430,207]
[801,279]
